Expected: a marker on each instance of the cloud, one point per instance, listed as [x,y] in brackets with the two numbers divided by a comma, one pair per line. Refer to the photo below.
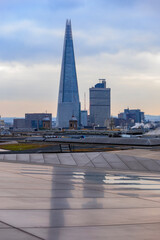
[63,4]
[27,40]
[29,32]
[115,39]
[132,76]
[29,82]
[104,26]
[23,40]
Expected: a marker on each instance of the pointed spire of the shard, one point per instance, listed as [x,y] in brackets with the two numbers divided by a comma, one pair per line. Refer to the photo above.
[68,100]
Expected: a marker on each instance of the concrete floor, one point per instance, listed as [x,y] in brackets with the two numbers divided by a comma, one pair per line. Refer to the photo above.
[72,202]
[127,160]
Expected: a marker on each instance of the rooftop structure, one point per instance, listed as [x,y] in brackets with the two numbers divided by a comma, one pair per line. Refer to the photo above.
[68,100]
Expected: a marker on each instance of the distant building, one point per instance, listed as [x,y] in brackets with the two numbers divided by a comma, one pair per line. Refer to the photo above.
[129,117]
[119,122]
[68,100]
[142,117]
[84,118]
[109,123]
[53,123]
[89,121]
[2,123]
[46,123]
[73,123]
[99,103]
[19,123]
[38,120]
[134,114]
[121,115]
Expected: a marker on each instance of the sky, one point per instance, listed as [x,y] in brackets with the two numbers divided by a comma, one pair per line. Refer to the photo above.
[114,39]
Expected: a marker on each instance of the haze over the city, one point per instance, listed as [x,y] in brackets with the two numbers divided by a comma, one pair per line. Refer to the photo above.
[117,40]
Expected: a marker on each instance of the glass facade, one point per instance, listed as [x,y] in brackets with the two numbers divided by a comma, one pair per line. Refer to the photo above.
[68,100]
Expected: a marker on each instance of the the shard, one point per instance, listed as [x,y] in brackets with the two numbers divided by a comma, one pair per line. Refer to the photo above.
[68,100]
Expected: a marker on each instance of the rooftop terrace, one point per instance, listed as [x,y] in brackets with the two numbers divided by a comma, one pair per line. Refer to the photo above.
[80,196]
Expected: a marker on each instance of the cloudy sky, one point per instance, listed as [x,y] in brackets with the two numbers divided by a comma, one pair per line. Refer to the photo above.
[114,39]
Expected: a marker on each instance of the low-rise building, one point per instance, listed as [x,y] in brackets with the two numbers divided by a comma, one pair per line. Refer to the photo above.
[135,114]
[36,121]
[19,123]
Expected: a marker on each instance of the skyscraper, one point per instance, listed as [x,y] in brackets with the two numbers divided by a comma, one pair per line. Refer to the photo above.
[99,103]
[68,100]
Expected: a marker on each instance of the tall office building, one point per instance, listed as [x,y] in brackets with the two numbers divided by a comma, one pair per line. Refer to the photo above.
[68,100]
[99,103]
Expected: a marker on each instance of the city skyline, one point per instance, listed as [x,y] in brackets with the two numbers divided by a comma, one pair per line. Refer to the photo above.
[116,40]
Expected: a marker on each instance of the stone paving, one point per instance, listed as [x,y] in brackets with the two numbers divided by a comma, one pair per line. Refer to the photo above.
[76,196]
[132,160]
[69,202]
